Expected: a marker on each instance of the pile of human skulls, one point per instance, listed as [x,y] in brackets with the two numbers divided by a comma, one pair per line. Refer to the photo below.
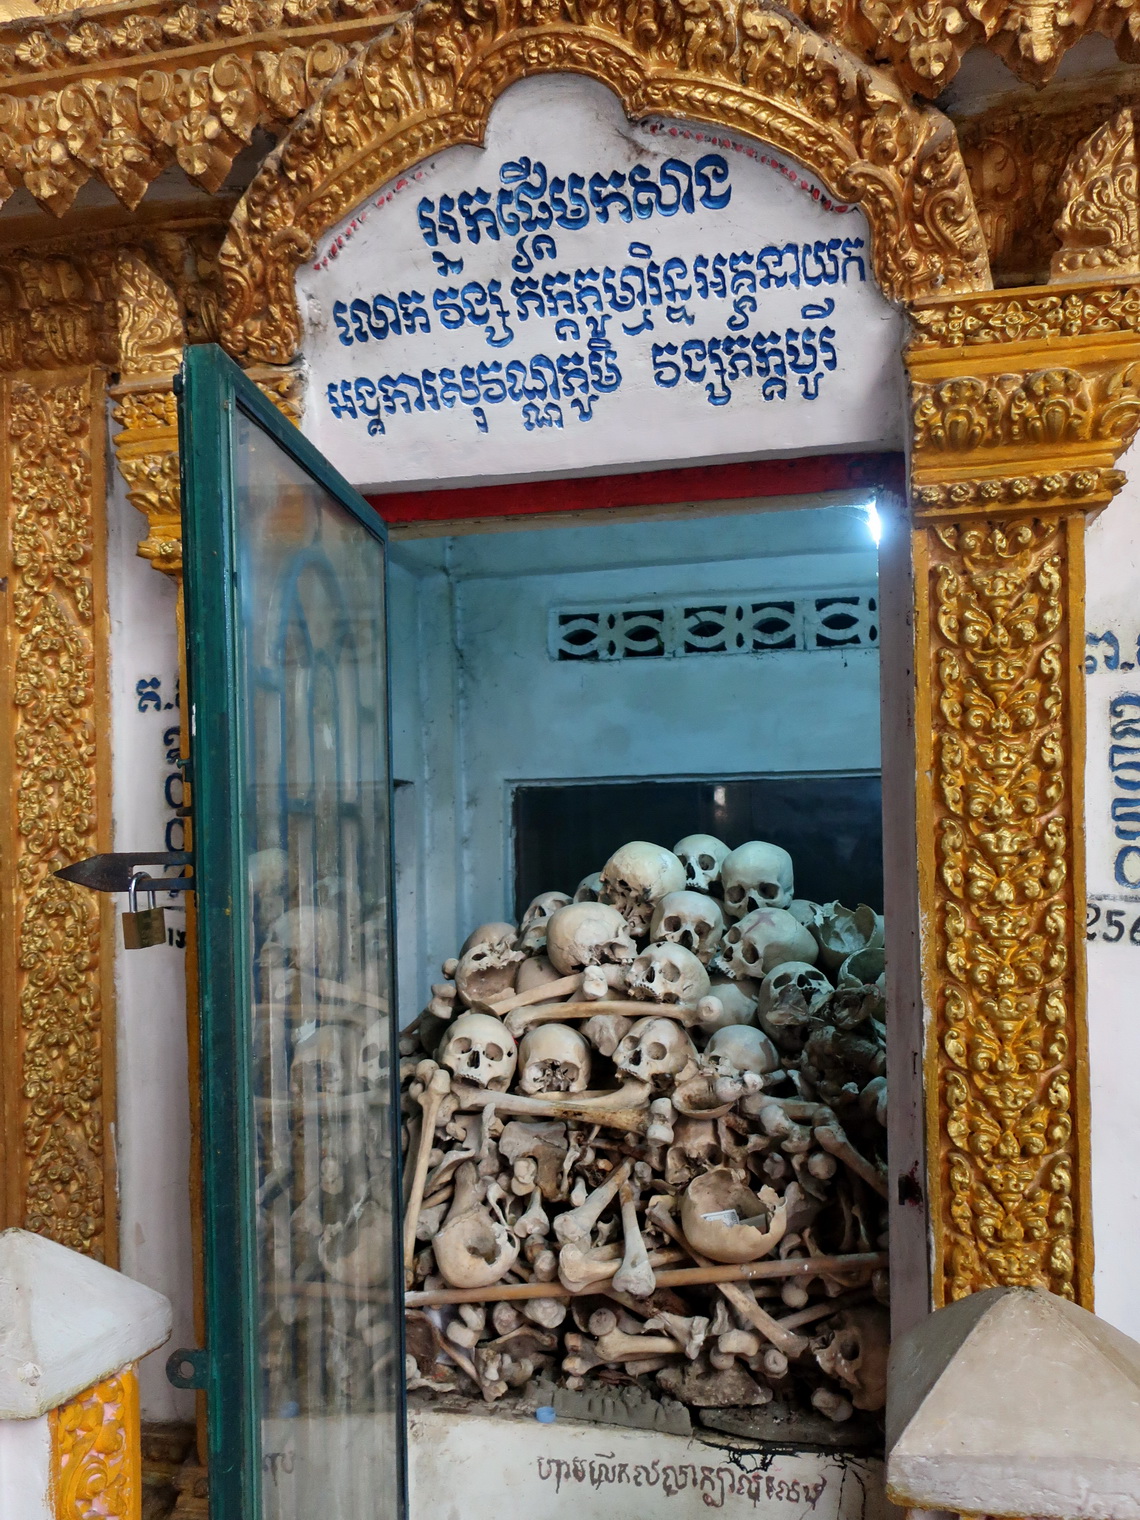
[645,1140]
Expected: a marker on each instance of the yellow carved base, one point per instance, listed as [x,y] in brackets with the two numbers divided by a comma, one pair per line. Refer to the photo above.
[97,1452]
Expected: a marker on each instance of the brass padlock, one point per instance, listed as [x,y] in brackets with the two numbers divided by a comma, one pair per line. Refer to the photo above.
[142,927]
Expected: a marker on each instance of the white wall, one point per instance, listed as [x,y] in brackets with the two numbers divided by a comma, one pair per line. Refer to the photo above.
[478,693]
[153,1129]
[1113,605]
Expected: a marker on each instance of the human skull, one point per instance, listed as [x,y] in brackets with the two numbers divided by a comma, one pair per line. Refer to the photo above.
[655,1050]
[372,1064]
[322,1062]
[479,1049]
[737,1002]
[702,857]
[553,1058]
[756,875]
[535,971]
[691,919]
[532,930]
[762,940]
[589,889]
[782,983]
[668,973]
[856,1355]
[488,963]
[740,1048]
[637,877]
[587,934]
[842,932]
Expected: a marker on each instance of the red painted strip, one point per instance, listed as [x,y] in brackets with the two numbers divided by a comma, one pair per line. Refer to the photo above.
[722,482]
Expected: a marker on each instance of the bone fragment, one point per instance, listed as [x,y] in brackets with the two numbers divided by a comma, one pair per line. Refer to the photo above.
[541,994]
[625,1109]
[832,1138]
[688,1277]
[744,1304]
[437,1088]
[635,1275]
[576,1225]
[691,1332]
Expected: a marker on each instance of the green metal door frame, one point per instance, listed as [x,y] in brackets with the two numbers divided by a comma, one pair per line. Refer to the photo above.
[211,392]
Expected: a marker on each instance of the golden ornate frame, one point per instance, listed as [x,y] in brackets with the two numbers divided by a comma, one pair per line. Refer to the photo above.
[429,81]
[1022,403]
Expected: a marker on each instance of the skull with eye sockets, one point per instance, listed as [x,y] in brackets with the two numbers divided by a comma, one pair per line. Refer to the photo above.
[690,919]
[757,875]
[478,1048]
[702,857]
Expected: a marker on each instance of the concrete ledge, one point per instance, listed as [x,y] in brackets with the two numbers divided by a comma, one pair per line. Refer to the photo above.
[1015,1402]
[66,1322]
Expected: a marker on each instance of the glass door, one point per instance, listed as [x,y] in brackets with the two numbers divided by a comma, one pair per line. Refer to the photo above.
[286,649]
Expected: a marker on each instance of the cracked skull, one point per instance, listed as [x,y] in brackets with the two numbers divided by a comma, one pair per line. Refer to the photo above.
[762,940]
[637,877]
[479,1049]
[554,1059]
[488,963]
[856,1355]
[655,1050]
[756,875]
[587,934]
[668,974]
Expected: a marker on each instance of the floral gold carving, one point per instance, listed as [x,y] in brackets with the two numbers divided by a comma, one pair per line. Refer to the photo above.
[1039,317]
[1016,153]
[1099,228]
[56,998]
[97,1452]
[146,448]
[1006,1065]
[428,81]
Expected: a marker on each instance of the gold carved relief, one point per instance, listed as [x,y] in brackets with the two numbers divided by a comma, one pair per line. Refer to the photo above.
[429,80]
[56,992]
[1016,153]
[1100,191]
[96,1452]
[998,603]
[1023,402]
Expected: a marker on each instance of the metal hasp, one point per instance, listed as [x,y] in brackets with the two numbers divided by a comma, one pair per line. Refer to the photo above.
[113,873]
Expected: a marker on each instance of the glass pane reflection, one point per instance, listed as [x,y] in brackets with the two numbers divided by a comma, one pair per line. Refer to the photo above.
[311,585]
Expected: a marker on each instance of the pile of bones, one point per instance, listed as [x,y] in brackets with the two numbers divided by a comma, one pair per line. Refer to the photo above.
[645,1143]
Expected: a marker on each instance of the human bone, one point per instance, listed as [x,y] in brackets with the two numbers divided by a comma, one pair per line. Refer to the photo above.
[589,889]
[691,919]
[741,1047]
[488,965]
[841,931]
[532,929]
[371,1063]
[605,1031]
[856,1355]
[717,1192]
[587,934]
[554,1058]
[761,940]
[668,973]
[480,1049]
[788,979]
[544,1177]
[756,875]
[637,877]
[702,857]
[655,1049]
[535,971]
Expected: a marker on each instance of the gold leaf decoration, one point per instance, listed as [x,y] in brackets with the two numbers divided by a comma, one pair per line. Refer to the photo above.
[428,82]
[1099,228]
[1004,953]
[97,1452]
[57,742]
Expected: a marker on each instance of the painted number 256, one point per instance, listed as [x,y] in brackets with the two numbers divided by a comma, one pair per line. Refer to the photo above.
[1112,931]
